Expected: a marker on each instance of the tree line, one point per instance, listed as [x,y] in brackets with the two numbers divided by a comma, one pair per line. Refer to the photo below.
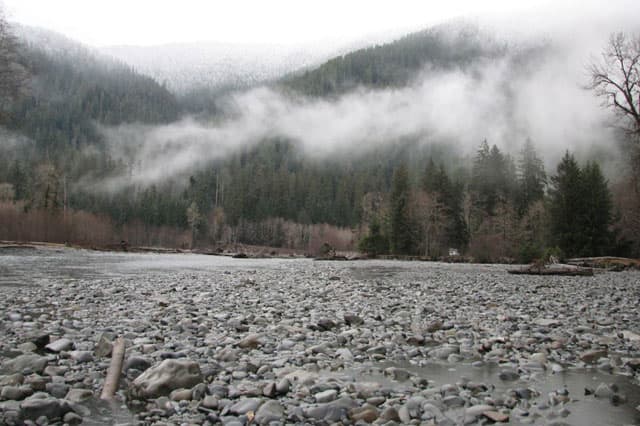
[506,210]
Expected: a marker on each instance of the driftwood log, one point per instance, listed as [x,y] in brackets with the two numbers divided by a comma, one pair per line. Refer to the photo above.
[570,271]
[112,380]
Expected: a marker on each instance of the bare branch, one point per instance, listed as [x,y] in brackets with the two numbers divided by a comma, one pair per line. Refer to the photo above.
[617,78]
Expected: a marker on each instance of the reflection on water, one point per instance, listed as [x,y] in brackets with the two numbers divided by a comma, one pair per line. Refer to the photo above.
[103,413]
[585,410]
[28,266]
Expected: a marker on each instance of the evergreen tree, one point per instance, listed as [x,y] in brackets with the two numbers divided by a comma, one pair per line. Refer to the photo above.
[375,243]
[567,207]
[596,218]
[402,232]
[531,178]
[493,177]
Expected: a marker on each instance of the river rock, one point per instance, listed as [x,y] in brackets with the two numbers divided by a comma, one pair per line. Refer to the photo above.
[590,357]
[15,393]
[508,375]
[48,407]
[251,341]
[59,345]
[270,411]
[33,362]
[72,418]
[81,356]
[78,395]
[326,396]
[603,391]
[104,346]
[352,319]
[245,405]
[137,363]
[165,377]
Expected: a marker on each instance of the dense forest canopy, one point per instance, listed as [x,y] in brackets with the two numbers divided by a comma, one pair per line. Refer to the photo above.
[68,174]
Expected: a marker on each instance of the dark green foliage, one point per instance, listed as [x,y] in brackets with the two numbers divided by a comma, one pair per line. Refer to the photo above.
[532,178]
[375,243]
[597,214]
[72,91]
[580,209]
[529,252]
[396,63]
[566,208]
[402,233]
[450,194]
[493,178]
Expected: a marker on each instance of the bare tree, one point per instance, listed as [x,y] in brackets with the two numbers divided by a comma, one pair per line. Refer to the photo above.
[616,78]
[13,76]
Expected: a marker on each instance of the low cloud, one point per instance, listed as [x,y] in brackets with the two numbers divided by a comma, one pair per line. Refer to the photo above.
[532,93]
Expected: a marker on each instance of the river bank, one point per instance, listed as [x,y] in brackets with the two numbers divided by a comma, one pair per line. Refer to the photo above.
[233,341]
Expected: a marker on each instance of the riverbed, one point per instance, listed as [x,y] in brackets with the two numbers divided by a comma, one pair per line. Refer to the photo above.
[300,341]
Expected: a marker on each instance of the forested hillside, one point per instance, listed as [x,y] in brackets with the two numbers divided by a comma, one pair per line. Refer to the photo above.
[396,64]
[415,196]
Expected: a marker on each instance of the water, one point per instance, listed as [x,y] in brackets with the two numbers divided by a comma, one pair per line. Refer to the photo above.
[25,266]
[585,409]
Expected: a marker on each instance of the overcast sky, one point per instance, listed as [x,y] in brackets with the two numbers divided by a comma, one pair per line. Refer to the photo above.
[147,22]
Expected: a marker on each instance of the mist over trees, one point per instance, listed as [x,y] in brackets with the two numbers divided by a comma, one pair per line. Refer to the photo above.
[404,197]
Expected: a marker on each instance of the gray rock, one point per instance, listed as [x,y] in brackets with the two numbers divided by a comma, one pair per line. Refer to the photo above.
[269,390]
[180,395]
[453,401]
[366,413]
[475,411]
[59,345]
[33,362]
[444,351]
[591,357]
[332,411]
[15,393]
[509,375]
[72,418]
[398,374]
[270,411]
[603,391]
[27,347]
[81,356]
[326,396]
[326,324]
[344,354]
[250,341]
[210,402]
[137,363]
[245,405]
[165,377]
[50,408]
[12,379]
[390,414]
[283,386]
[227,355]
[104,346]
[57,389]
[78,395]
[352,319]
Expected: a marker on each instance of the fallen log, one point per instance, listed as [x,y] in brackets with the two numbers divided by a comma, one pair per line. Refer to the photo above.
[570,271]
[112,380]
[606,262]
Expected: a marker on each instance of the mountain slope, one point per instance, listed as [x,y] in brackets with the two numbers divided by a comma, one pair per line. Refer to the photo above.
[71,89]
[395,64]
